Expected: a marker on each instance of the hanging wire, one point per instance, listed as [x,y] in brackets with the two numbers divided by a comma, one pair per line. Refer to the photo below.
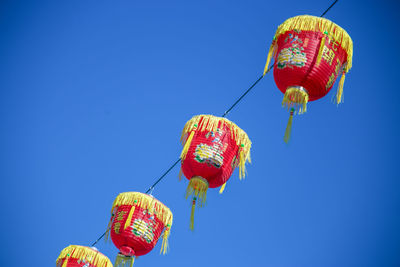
[151,188]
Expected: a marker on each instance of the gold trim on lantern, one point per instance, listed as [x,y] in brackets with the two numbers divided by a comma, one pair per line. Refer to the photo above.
[92,256]
[203,123]
[296,97]
[144,201]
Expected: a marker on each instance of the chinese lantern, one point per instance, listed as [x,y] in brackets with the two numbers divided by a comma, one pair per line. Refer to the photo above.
[136,224]
[310,53]
[212,148]
[80,256]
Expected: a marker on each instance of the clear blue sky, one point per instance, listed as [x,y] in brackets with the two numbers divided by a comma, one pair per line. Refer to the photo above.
[94,95]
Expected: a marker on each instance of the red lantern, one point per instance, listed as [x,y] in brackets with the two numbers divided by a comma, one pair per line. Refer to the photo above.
[80,256]
[136,225]
[213,148]
[310,53]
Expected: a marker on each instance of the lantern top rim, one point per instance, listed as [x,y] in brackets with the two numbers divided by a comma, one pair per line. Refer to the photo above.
[145,201]
[94,257]
[322,25]
[211,123]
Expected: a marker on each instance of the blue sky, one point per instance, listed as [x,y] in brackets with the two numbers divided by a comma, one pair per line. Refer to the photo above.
[94,95]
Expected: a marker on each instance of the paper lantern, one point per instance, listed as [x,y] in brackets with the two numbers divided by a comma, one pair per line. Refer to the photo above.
[136,224]
[310,53]
[213,148]
[80,256]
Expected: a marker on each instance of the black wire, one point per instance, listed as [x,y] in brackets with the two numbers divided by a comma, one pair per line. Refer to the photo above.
[224,115]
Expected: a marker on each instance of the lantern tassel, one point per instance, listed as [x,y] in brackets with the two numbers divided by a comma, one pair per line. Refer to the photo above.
[339,92]
[321,50]
[270,53]
[129,219]
[187,145]
[288,131]
[221,190]
[164,245]
[192,214]
[65,263]
[180,174]
[124,261]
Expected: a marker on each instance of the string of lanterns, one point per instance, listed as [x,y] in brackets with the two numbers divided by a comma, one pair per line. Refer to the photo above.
[309,55]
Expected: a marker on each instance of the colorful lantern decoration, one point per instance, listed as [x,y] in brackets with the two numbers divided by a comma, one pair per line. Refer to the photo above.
[80,256]
[310,53]
[137,221]
[212,148]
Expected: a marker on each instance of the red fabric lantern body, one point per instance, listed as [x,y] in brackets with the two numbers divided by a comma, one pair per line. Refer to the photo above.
[310,53]
[296,57]
[137,223]
[80,256]
[213,148]
[211,155]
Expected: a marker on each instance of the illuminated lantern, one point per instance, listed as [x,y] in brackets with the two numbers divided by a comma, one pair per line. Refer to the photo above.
[310,53]
[212,148]
[137,221]
[80,256]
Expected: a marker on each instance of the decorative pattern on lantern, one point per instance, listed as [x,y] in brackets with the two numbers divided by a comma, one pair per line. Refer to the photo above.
[80,256]
[212,148]
[310,53]
[137,221]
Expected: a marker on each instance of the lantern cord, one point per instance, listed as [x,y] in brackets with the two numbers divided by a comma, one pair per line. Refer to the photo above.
[151,188]
[326,11]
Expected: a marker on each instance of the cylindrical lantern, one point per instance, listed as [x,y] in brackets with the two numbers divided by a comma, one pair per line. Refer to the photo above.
[310,53]
[80,256]
[136,225]
[213,148]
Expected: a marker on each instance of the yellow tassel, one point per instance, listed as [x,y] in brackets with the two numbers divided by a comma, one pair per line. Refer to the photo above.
[164,245]
[297,98]
[129,219]
[197,187]
[339,92]
[123,261]
[180,174]
[221,190]
[270,53]
[187,145]
[321,50]
[288,131]
[192,214]
[65,263]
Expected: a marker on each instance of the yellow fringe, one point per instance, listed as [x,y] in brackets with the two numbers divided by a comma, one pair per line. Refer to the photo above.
[221,190]
[94,257]
[187,144]
[124,261]
[197,187]
[129,219]
[321,50]
[296,98]
[191,226]
[65,263]
[312,23]
[270,53]
[339,92]
[180,174]
[164,245]
[211,123]
[288,130]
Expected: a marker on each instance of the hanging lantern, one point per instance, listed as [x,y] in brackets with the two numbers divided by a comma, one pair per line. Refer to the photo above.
[136,224]
[80,256]
[212,148]
[310,53]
